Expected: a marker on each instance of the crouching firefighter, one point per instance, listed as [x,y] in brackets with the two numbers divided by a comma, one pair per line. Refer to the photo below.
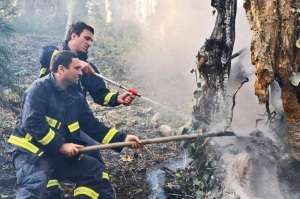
[45,141]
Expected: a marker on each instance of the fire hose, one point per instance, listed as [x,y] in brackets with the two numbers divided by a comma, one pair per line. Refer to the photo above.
[115,83]
[156,140]
[133,92]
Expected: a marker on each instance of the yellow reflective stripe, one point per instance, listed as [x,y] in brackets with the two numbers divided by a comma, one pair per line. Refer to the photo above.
[109,136]
[86,191]
[82,88]
[43,71]
[107,98]
[52,122]
[22,142]
[80,157]
[52,183]
[73,127]
[105,175]
[54,53]
[48,138]
[28,137]
[59,125]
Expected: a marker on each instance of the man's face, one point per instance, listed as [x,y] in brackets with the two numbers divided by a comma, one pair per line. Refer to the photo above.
[82,43]
[73,73]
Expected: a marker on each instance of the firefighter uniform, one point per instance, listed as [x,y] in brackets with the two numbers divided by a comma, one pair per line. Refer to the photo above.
[49,118]
[106,191]
[88,83]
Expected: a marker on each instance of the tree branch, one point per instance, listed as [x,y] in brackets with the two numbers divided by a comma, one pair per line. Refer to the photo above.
[233,103]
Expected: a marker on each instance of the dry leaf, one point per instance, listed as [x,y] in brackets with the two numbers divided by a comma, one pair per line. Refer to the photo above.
[127,159]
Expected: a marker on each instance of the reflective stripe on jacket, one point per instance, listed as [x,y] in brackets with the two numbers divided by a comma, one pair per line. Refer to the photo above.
[51,116]
[88,83]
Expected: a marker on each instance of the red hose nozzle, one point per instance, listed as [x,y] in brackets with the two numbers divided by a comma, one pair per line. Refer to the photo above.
[133,92]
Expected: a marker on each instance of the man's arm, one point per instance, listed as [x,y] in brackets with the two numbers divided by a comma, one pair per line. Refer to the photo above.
[101,133]
[45,55]
[34,109]
[101,95]
[98,90]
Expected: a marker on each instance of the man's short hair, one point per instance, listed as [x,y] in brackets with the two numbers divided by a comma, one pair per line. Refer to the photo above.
[77,28]
[63,58]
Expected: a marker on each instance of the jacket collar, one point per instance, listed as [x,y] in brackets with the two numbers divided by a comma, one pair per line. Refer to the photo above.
[81,56]
[71,90]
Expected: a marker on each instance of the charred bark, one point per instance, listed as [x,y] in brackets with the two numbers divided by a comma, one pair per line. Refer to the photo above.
[275,28]
[214,61]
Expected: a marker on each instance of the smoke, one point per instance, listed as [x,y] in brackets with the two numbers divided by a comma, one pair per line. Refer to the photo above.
[248,114]
[177,31]
[156,179]
[173,37]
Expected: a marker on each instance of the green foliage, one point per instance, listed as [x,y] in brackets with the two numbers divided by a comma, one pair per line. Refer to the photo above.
[193,184]
[109,52]
[191,150]
[118,44]
[178,175]
[7,11]
[38,26]
[199,194]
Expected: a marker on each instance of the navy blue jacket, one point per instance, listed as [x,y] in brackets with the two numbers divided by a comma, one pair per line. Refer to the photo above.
[88,83]
[51,116]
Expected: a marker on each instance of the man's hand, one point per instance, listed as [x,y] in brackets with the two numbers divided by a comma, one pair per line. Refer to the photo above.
[85,67]
[69,149]
[126,98]
[136,141]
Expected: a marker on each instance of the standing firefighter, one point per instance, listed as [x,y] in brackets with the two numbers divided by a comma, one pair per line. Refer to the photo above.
[45,141]
[79,40]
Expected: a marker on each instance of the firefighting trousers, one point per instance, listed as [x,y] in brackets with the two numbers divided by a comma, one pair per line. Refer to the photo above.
[106,191]
[33,177]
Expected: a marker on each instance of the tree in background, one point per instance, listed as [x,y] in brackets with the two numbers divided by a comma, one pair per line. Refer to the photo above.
[214,62]
[76,11]
[6,12]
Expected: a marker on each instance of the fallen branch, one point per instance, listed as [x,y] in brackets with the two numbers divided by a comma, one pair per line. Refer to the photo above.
[238,53]
[168,171]
[155,140]
[233,103]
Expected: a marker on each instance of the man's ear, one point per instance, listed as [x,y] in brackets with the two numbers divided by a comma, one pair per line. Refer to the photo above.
[61,69]
[73,35]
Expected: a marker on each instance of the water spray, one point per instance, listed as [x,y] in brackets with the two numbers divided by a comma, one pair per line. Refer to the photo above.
[134,92]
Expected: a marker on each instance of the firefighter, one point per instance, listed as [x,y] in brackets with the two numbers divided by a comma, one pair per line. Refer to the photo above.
[45,141]
[79,40]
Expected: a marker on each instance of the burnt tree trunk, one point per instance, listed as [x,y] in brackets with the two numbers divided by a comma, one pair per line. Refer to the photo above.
[275,29]
[214,60]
